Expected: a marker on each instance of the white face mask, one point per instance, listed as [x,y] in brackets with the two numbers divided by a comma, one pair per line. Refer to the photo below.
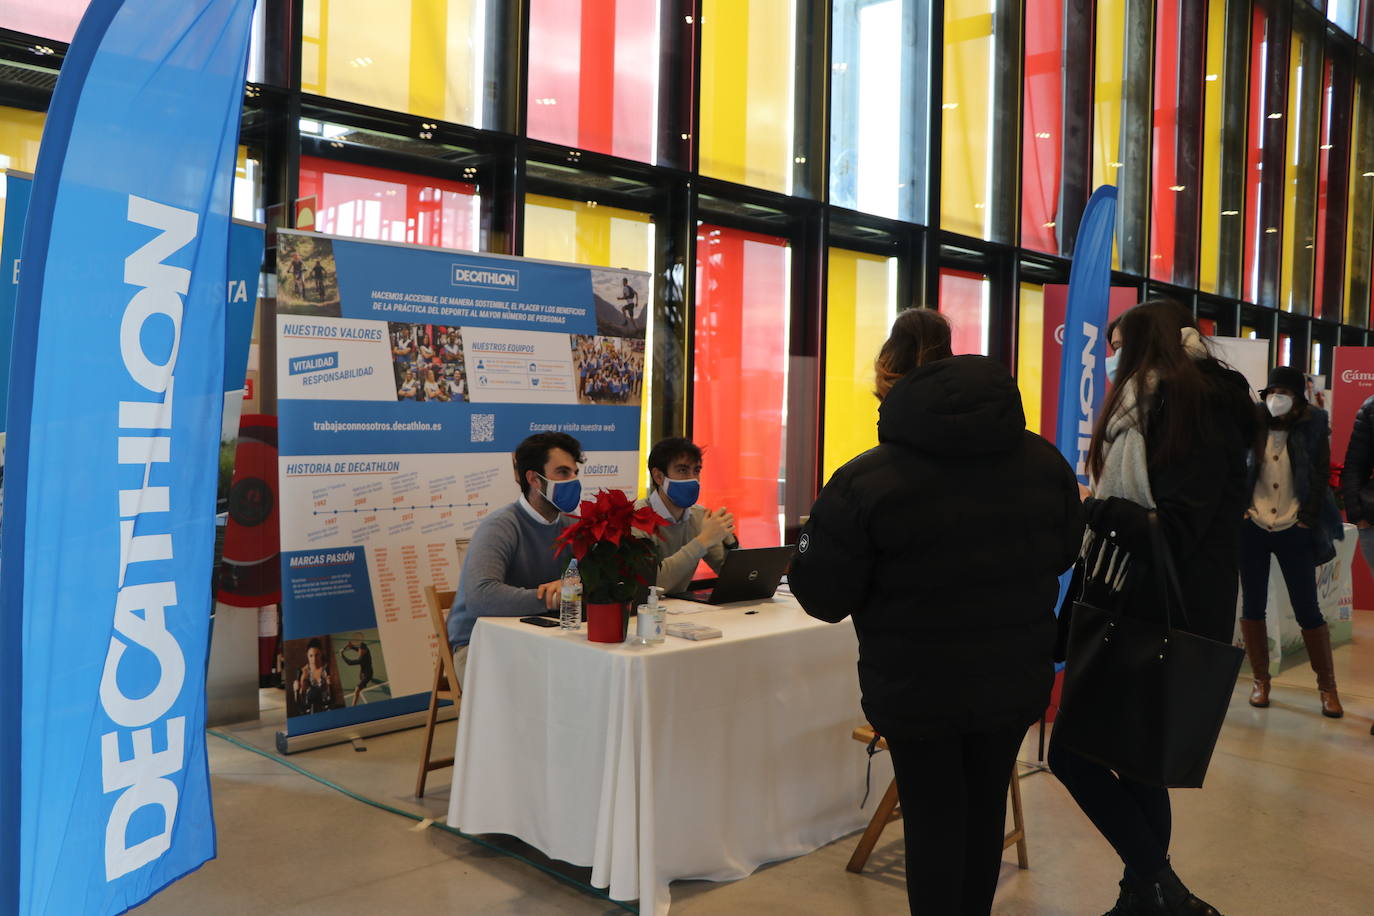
[1110,364]
[1279,404]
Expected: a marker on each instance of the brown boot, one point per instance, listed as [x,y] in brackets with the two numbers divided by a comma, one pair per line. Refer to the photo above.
[1318,641]
[1256,637]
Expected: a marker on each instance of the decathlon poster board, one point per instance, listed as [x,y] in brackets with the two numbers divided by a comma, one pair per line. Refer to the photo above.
[406,377]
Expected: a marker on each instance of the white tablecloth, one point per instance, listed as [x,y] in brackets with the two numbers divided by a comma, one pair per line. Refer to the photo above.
[654,763]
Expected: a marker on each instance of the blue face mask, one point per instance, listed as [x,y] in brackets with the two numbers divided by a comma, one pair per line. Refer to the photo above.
[1111,364]
[564,494]
[682,493]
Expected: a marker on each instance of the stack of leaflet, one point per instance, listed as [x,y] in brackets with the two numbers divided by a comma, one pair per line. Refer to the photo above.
[692,631]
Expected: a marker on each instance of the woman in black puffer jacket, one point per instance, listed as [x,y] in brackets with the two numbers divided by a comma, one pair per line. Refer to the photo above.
[944,543]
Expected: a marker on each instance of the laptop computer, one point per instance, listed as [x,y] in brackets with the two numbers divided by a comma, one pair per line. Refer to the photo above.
[746,575]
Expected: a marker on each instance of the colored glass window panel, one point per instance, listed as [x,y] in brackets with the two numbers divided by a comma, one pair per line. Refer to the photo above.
[1166,185]
[1107,92]
[1345,13]
[593,77]
[55,19]
[747,51]
[1217,217]
[1030,353]
[364,202]
[740,375]
[966,123]
[861,306]
[1305,77]
[1327,208]
[58,19]
[20,132]
[879,107]
[573,231]
[1042,143]
[964,301]
[423,57]
[1359,240]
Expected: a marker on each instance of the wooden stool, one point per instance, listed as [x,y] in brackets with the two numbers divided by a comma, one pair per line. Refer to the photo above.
[888,811]
[446,686]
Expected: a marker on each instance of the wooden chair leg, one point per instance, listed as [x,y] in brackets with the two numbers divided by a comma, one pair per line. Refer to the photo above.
[1018,824]
[430,721]
[881,818]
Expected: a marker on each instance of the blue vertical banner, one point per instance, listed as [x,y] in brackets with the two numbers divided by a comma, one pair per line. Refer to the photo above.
[17,189]
[114,416]
[1082,373]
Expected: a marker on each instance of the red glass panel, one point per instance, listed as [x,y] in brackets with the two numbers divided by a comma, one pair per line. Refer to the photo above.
[1254,184]
[740,375]
[964,301]
[1325,308]
[1042,143]
[364,202]
[1163,235]
[56,19]
[1208,326]
[593,77]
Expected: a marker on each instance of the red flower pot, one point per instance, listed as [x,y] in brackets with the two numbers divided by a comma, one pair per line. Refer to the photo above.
[606,622]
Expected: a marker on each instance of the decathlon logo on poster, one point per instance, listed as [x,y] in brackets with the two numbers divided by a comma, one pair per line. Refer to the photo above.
[128,763]
[1355,375]
[1085,396]
[482,275]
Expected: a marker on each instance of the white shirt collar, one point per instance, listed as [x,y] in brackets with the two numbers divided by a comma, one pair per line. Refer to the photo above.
[659,506]
[534,513]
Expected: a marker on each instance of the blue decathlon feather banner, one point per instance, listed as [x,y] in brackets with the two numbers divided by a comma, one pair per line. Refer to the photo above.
[1082,375]
[114,417]
[16,196]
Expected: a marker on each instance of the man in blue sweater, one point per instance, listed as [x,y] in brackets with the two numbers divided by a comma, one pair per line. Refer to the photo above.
[510,569]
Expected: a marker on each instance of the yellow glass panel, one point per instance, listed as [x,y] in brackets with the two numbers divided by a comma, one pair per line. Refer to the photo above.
[1209,253]
[1109,99]
[422,57]
[1358,231]
[1300,175]
[569,230]
[20,132]
[747,92]
[966,143]
[1030,352]
[861,304]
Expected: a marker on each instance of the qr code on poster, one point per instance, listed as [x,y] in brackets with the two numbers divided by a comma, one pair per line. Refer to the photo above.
[483,427]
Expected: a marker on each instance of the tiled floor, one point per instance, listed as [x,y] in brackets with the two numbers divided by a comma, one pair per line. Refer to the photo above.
[1285,826]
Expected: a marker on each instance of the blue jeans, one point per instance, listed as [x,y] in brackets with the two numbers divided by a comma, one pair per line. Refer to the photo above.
[1297,562]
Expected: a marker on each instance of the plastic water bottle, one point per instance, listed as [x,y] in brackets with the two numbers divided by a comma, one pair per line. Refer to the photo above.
[570,598]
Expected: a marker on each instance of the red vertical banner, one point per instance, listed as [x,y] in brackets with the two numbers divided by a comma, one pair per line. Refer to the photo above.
[1352,383]
[1056,304]
[740,376]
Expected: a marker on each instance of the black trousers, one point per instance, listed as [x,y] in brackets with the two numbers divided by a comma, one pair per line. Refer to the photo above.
[953,791]
[1297,560]
[1134,817]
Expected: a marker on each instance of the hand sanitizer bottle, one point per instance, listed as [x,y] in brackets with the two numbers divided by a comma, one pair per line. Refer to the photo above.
[649,621]
[660,614]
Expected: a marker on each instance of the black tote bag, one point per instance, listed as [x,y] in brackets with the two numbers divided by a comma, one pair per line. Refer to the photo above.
[1140,696]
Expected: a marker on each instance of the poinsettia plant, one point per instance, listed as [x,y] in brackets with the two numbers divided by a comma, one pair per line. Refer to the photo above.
[616,546]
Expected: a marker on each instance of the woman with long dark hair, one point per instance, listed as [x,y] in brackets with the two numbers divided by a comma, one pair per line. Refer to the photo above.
[944,543]
[1171,440]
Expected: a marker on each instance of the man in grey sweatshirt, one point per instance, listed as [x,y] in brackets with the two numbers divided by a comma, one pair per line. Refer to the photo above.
[693,533]
[510,569]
